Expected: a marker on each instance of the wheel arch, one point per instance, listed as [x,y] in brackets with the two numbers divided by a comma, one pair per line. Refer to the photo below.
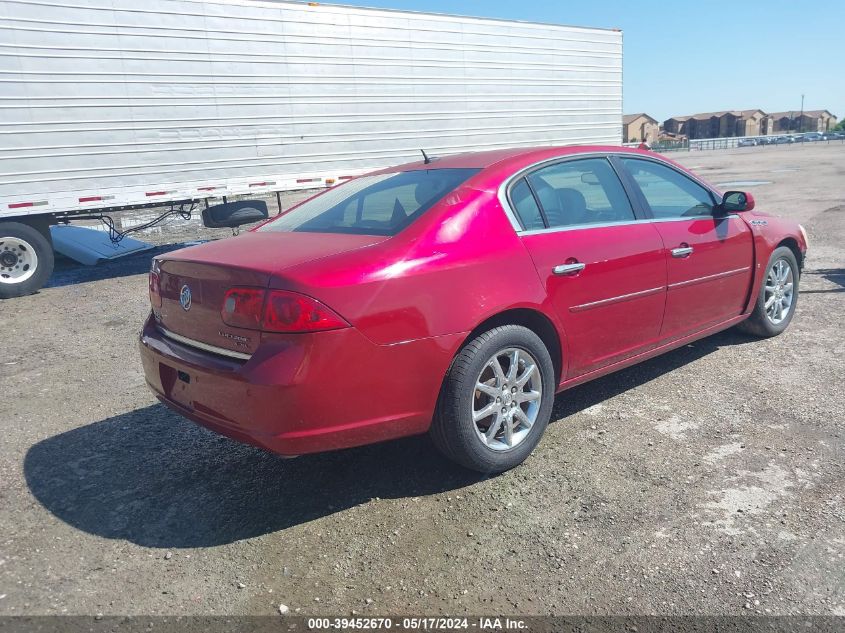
[529,318]
[792,244]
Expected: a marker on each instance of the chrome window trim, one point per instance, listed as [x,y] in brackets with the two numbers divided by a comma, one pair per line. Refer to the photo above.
[599,225]
[504,189]
[221,351]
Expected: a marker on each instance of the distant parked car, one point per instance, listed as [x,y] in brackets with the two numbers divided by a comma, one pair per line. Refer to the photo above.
[783,140]
[765,140]
[798,138]
[746,142]
[813,136]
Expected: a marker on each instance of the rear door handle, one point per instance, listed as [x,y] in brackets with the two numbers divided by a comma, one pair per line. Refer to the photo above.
[682,251]
[569,269]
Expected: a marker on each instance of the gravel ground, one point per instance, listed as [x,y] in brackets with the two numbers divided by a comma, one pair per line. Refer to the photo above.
[706,481]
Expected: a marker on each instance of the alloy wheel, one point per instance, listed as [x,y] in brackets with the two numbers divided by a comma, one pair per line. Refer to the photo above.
[506,399]
[779,291]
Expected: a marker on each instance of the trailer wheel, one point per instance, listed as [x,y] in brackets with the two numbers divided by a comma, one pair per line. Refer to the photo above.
[26,259]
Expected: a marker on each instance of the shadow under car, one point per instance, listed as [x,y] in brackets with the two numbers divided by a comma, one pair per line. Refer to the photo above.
[153,478]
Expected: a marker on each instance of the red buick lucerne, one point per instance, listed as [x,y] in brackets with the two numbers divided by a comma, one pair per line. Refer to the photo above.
[457,297]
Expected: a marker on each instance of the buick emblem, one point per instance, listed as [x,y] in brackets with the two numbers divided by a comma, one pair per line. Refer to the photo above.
[185,298]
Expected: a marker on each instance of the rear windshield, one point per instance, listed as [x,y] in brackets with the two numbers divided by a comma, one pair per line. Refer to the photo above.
[372,205]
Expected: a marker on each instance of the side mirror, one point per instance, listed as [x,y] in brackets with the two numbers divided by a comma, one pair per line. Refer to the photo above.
[234,214]
[737,201]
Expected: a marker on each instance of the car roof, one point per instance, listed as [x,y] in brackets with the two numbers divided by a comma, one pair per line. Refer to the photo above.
[511,157]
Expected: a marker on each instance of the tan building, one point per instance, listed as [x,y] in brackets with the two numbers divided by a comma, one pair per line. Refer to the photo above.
[809,121]
[752,123]
[639,127]
[720,124]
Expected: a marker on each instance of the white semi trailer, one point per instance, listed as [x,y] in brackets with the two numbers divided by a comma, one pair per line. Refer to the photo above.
[116,104]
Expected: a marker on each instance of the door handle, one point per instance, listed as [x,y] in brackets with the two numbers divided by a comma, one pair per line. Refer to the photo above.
[682,251]
[569,269]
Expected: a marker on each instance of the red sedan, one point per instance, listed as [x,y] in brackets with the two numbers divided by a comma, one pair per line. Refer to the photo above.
[457,297]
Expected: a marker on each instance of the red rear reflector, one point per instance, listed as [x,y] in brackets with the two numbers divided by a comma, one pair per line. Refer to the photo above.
[242,307]
[291,312]
[20,205]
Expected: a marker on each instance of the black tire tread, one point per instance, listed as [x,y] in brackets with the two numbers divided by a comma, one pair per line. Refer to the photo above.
[757,324]
[444,429]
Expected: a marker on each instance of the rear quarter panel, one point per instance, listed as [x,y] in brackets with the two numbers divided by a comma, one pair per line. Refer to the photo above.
[448,272]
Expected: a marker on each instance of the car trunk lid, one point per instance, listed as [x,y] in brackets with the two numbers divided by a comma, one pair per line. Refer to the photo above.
[194,281]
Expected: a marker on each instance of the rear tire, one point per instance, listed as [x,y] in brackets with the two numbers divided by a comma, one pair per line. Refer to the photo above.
[26,259]
[778,296]
[518,397]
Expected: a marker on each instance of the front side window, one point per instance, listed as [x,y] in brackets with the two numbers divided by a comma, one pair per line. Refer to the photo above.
[668,192]
[585,191]
[383,204]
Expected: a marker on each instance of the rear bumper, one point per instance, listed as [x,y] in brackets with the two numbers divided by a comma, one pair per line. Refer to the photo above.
[302,393]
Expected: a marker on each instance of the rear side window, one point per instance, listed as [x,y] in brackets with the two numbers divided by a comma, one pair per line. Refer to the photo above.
[577,192]
[526,207]
[669,193]
[372,205]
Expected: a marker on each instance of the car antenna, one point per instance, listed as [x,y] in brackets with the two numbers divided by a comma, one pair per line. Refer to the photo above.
[426,159]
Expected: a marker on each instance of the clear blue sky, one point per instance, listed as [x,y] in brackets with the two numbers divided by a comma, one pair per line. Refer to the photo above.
[682,57]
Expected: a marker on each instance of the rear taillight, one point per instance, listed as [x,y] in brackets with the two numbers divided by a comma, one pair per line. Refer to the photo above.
[155,286]
[277,311]
[291,312]
[242,307]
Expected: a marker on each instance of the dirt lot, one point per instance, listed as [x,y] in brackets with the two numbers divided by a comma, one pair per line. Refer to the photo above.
[710,480]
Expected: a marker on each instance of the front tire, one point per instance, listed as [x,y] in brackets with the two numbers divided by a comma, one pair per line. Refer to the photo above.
[496,400]
[26,259]
[778,296]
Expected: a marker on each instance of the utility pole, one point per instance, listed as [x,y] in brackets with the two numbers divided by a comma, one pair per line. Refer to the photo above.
[801,119]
